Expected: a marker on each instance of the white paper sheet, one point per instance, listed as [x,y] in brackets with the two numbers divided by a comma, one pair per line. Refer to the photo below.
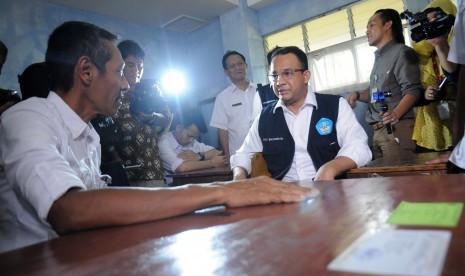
[395,252]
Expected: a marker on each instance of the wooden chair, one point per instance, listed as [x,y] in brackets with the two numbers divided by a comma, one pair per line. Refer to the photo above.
[259,166]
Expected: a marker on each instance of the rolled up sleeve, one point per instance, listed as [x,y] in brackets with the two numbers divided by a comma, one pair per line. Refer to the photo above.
[252,144]
[351,136]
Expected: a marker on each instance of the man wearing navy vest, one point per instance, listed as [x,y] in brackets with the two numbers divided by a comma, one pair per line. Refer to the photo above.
[303,135]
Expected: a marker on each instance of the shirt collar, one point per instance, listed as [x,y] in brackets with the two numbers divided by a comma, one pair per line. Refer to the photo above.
[75,124]
[238,90]
[385,48]
[310,100]
[175,144]
[172,140]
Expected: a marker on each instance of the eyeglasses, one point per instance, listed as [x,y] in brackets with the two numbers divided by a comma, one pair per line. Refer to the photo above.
[286,74]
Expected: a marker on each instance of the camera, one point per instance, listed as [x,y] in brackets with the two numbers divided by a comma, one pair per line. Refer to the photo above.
[9,96]
[426,29]
[148,98]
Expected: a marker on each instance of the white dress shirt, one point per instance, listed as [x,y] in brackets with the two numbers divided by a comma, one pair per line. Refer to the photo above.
[457,49]
[170,148]
[235,111]
[350,135]
[457,55]
[458,154]
[46,149]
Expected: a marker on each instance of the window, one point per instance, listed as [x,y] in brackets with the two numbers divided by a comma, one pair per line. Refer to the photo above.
[363,11]
[339,56]
[292,37]
[328,30]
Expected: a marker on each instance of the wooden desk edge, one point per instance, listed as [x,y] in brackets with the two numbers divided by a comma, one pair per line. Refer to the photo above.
[437,167]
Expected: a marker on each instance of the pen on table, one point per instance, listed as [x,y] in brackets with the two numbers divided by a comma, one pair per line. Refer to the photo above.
[211,209]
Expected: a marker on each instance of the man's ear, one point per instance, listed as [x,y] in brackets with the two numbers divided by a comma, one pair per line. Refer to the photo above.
[307,74]
[388,25]
[85,69]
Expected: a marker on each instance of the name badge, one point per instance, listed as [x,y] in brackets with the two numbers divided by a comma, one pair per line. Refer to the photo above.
[237,104]
[374,90]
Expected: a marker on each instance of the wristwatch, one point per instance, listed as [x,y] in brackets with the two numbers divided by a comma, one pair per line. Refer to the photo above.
[202,156]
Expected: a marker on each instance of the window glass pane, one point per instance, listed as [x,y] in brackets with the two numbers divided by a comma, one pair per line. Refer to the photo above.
[332,67]
[361,13]
[290,37]
[365,58]
[328,30]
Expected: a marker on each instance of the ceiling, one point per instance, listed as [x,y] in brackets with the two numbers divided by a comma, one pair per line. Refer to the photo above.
[181,16]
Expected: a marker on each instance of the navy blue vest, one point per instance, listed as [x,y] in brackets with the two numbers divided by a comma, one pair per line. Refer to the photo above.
[266,94]
[278,144]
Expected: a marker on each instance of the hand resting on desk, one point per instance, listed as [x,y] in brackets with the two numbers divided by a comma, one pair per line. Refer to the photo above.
[80,209]
[262,190]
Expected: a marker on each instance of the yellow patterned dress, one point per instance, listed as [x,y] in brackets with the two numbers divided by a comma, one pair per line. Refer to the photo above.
[430,131]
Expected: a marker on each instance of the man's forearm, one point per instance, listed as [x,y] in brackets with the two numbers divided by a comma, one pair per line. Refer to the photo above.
[223,137]
[363,96]
[406,103]
[335,167]
[79,209]
[188,166]
[85,209]
[239,173]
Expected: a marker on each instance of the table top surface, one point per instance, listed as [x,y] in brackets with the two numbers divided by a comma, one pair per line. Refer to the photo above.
[225,170]
[405,162]
[279,239]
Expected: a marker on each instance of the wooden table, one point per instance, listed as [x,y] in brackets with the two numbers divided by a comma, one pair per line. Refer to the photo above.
[407,164]
[202,176]
[280,239]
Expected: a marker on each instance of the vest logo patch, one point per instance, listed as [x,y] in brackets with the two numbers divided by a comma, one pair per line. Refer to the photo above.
[324,126]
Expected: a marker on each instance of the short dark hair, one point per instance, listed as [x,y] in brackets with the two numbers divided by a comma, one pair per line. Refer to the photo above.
[228,54]
[3,55]
[34,81]
[70,41]
[270,53]
[301,56]
[3,50]
[189,116]
[393,15]
[130,48]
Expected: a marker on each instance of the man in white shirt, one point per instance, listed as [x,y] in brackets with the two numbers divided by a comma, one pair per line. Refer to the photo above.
[303,135]
[181,152]
[236,106]
[51,153]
